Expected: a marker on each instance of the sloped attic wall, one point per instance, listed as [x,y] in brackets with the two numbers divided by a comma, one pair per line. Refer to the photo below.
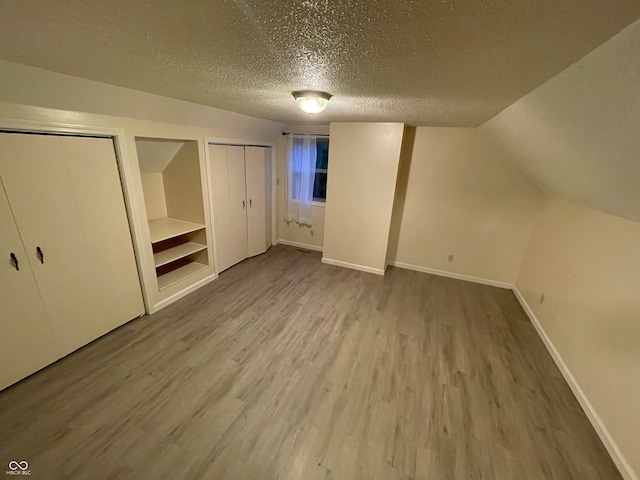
[578,137]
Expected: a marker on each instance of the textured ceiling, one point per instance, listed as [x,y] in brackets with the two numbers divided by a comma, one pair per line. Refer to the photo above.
[441,62]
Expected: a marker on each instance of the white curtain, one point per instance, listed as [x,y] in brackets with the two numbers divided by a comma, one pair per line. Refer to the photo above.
[301,171]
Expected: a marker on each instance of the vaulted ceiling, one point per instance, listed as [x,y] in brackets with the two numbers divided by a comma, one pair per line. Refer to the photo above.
[445,62]
[578,135]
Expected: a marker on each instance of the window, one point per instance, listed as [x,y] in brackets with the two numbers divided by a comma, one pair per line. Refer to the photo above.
[307,164]
[322,165]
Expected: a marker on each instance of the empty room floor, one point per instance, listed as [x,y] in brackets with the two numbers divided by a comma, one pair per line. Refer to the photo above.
[286,368]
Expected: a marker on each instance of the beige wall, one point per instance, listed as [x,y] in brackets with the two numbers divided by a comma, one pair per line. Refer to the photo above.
[290,231]
[154,198]
[587,265]
[360,191]
[577,136]
[462,198]
[399,199]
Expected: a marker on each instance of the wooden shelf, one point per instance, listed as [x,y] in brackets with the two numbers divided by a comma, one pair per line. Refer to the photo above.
[177,252]
[179,274]
[165,228]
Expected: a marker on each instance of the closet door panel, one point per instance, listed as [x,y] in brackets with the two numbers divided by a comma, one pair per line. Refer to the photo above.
[256,199]
[238,196]
[67,199]
[221,205]
[109,259]
[28,342]
[39,191]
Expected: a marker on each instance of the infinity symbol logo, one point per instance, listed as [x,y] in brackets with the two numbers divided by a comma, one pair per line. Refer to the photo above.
[23,465]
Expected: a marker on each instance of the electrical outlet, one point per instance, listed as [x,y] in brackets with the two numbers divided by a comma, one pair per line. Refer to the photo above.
[541,299]
[451,258]
[311,232]
[277,181]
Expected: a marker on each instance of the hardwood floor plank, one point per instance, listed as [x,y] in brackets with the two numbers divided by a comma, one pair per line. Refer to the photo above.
[287,368]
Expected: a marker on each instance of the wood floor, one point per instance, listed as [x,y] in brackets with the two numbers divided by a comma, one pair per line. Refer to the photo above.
[286,368]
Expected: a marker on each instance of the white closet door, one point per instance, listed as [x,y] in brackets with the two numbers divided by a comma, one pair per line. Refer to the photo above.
[67,200]
[229,204]
[238,192]
[221,199]
[28,341]
[255,158]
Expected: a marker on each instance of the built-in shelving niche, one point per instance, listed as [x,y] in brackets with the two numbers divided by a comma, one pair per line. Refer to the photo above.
[172,186]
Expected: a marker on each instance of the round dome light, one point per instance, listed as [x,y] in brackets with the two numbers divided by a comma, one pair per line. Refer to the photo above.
[311,101]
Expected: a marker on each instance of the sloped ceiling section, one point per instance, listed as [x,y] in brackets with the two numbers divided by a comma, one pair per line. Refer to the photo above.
[155,155]
[444,62]
[578,135]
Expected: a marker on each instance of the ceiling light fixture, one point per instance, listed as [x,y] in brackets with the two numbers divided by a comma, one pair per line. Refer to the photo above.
[311,101]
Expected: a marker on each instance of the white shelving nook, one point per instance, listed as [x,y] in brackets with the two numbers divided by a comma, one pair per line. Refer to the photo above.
[175,193]
[172,254]
[165,228]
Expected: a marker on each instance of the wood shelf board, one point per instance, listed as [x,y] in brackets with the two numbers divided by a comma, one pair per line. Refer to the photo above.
[165,228]
[179,274]
[177,252]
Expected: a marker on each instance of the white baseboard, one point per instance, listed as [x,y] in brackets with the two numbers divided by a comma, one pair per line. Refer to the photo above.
[616,455]
[354,266]
[457,276]
[299,245]
[177,296]
[625,469]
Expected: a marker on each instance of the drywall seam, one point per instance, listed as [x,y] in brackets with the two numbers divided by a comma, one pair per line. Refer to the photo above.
[362,268]
[298,245]
[457,276]
[599,426]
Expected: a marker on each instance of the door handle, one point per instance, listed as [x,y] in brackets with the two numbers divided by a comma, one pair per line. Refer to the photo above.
[40,254]
[14,260]
[243,205]
[250,203]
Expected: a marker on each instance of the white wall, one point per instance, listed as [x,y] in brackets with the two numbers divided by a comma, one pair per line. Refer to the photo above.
[363,167]
[461,197]
[586,263]
[291,232]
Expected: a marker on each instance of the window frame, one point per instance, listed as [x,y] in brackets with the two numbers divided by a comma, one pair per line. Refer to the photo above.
[317,201]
